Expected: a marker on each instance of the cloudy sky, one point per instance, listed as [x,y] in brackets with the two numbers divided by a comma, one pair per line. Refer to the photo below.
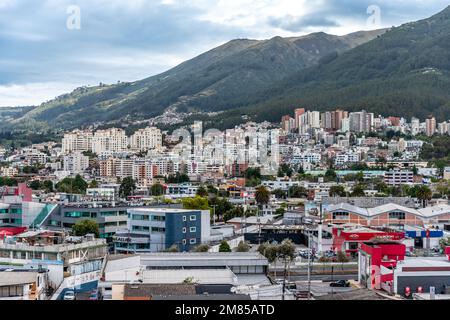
[50,47]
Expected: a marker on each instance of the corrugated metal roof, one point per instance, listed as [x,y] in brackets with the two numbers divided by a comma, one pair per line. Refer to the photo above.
[389,208]
[435,211]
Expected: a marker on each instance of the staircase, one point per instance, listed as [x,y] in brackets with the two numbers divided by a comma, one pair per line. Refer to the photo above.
[43,215]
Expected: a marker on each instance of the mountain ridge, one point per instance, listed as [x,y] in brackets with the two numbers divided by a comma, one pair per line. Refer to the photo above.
[221,79]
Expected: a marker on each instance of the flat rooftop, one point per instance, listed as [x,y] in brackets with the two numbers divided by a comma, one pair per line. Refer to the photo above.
[161,210]
[203,259]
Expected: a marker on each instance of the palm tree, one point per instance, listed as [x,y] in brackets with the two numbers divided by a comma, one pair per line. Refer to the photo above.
[424,194]
[262,195]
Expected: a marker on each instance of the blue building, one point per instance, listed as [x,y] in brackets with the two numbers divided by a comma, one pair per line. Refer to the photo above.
[156,230]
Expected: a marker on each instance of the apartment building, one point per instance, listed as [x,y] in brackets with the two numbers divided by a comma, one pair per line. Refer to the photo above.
[77,141]
[155,230]
[398,177]
[146,139]
[75,163]
[110,140]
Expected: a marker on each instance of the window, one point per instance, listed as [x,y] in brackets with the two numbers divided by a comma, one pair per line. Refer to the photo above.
[140,217]
[184,241]
[193,218]
[184,218]
[184,230]
[193,229]
[158,218]
[341,216]
[397,215]
[193,241]
[140,228]
[158,230]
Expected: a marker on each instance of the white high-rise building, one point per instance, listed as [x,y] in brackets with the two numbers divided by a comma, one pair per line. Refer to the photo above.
[146,139]
[76,163]
[361,121]
[443,128]
[77,141]
[309,120]
[415,126]
[111,140]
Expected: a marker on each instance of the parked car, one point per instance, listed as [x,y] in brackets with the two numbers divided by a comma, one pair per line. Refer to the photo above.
[340,284]
[69,295]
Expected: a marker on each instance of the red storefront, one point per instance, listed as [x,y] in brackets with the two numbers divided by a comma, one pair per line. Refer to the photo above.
[377,262]
[348,240]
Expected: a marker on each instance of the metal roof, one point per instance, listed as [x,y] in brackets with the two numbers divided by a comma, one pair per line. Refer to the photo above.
[389,208]
[203,259]
[435,210]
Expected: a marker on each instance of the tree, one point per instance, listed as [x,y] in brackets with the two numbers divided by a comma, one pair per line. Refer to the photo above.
[75,185]
[279,194]
[262,195]
[236,212]
[212,190]
[424,194]
[286,250]
[84,227]
[157,190]
[80,184]
[202,192]
[330,175]
[35,185]
[127,187]
[224,247]
[243,247]
[358,190]
[253,177]
[337,191]
[93,184]
[442,188]
[382,187]
[298,192]
[269,251]
[48,186]
[221,205]
[10,182]
[285,171]
[197,203]
[178,178]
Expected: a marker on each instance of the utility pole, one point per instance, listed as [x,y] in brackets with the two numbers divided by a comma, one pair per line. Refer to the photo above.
[332,279]
[284,278]
[320,228]
[309,265]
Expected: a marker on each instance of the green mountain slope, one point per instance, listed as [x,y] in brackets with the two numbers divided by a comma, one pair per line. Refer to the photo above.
[405,72]
[225,78]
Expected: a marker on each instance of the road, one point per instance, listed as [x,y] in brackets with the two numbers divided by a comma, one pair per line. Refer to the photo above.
[324,278]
